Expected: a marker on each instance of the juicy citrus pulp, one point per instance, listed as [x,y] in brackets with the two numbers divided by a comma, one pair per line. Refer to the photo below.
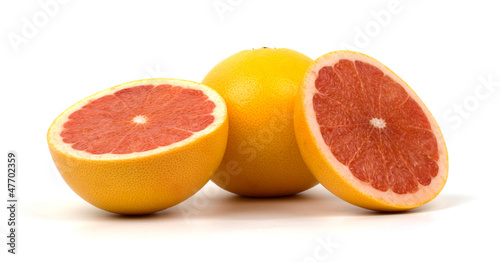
[142,146]
[366,136]
[262,158]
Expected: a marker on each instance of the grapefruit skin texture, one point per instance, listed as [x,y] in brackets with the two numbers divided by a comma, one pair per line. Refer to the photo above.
[262,158]
[145,184]
[328,175]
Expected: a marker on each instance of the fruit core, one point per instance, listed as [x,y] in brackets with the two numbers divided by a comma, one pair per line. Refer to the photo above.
[140,119]
[377,122]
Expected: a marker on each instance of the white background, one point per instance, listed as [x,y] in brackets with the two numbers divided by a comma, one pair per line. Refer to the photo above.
[445,50]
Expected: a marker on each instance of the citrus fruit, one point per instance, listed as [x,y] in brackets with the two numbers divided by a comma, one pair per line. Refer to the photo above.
[366,136]
[262,158]
[142,146]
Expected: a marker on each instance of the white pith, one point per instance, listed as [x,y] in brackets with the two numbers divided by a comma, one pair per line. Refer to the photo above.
[219,113]
[377,122]
[140,119]
[424,193]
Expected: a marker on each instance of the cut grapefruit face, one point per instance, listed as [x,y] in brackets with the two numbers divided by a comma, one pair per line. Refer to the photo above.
[366,136]
[142,146]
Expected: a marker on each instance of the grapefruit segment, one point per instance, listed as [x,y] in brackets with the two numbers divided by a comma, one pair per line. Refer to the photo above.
[142,146]
[366,136]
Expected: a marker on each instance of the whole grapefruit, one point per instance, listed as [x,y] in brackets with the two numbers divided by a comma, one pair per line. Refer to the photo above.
[262,158]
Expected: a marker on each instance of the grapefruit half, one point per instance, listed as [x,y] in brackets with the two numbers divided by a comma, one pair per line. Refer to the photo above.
[142,146]
[366,136]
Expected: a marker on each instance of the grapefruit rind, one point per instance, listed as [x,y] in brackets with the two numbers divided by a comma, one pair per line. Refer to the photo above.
[337,177]
[144,182]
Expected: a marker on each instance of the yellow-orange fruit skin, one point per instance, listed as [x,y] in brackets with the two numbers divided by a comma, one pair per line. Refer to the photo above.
[144,185]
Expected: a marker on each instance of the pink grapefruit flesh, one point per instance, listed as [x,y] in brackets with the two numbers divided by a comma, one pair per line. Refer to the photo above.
[138,119]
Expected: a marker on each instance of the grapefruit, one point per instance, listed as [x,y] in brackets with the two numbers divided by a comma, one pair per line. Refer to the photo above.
[262,158]
[142,146]
[366,136]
